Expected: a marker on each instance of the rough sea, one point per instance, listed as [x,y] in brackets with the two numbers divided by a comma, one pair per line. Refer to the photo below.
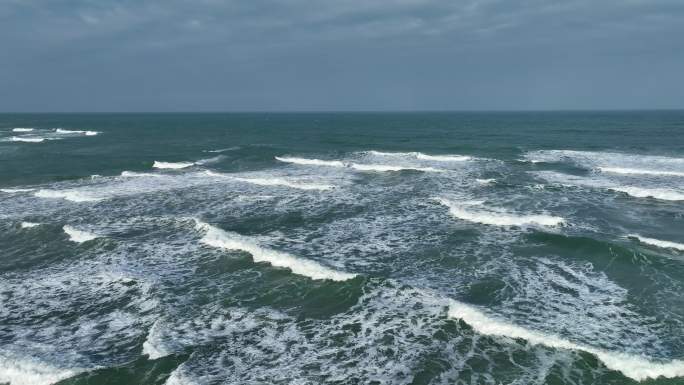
[342,248]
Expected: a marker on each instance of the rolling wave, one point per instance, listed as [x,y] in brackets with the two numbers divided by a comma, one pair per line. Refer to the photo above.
[422,156]
[30,372]
[74,196]
[171,165]
[216,237]
[355,166]
[26,140]
[496,217]
[22,129]
[658,242]
[68,132]
[635,367]
[78,236]
[15,190]
[622,170]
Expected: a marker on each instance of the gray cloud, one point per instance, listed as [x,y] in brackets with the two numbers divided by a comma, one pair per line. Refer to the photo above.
[345,54]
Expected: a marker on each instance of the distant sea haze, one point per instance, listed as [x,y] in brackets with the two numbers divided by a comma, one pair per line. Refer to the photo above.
[342,248]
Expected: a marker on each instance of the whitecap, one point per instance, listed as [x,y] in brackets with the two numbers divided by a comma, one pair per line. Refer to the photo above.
[133,174]
[78,236]
[22,129]
[171,165]
[650,192]
[311,162]
[86,133]
[485,181]
[152,346]
[635,367]
[30,372]
[273,181]
[495,216]
[28,225]
[422,156]
[387,167]
[623,170]
[74,196]
[26,140]
[15,190]
[216,237]
[658,242]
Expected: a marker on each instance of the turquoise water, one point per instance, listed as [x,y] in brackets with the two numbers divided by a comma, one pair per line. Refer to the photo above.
[342,248]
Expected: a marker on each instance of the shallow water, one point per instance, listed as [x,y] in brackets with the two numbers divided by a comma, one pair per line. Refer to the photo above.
[366,248]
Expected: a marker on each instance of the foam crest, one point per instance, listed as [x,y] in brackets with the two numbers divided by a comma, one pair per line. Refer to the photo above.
[485,181]
[82,132]
[284,182]
[171,165]
[15,190]
[497,217]
[216,237]
[638,368]
[28,225]
[387,167]
[652,192]
[623,170]
[74,196]
[311,162]
[30,372]
[22,129]
[26,140]
[78,236]
[658,242]
[133,174]
[422,156]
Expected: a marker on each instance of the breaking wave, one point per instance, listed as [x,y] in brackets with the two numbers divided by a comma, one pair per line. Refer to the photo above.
[422,156]
[30,372]
[26,140]
[86,133]
[355,166]
[171,165]
[283,182]
[216,237]
[28,225]
[78,236]
[496,217]
[74,196]
[658,242]
[638,368]
[22,129]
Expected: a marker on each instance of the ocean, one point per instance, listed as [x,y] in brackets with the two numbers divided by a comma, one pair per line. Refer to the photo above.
[342,248]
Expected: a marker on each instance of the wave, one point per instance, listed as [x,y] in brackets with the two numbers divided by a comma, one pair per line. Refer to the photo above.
[28,225]
[86,133]
[151,347]
[22,129]
[26,140]
[216,237]
[422,156]
[658,242]
[223,149]
[497,217]
[132,174]
[29,372]
[283,182]
[73,196]
[662,193]
[215,159]
[311,162]
[635,367]
[15,190]
[355,166]
[78,236]
[622,170]
[485,181]
[171,165]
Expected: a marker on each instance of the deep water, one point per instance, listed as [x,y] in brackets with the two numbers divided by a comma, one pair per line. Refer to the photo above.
[342,248]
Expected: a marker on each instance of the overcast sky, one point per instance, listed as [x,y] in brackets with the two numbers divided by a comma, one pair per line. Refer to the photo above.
[213,55]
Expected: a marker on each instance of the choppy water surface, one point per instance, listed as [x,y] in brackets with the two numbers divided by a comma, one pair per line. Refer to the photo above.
[471,248]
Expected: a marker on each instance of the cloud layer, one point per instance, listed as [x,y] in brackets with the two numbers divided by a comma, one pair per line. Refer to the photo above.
[85,55]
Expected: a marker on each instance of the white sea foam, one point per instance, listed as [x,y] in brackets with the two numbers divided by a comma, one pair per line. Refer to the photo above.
[15,190]
[30,372]
[355,166]
[28,225]
[74,196]
[86,133]
[22,129]
[485,181]
[214,159]
[387,167]
[622,170]
[636,367]
[171,165]
[422,156]
[132,174]
[284,182]
[78,236]
[25,139]
[216,237]
[496,217]
[311,162]
[658,242]
[179,377]
[658,192]
[152,346]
